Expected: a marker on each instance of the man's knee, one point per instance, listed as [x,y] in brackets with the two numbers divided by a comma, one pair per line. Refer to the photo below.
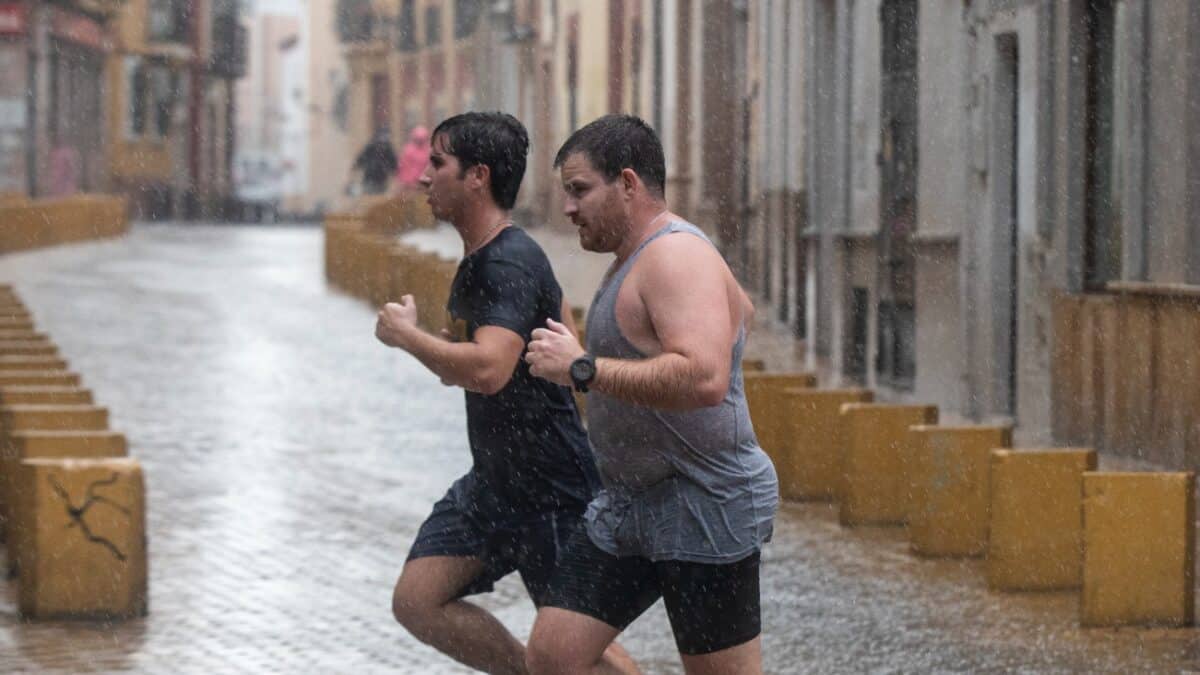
[413,609]
[553,651]
[544,657]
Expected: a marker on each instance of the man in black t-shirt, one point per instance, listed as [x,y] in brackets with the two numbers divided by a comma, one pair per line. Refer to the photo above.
[533,472]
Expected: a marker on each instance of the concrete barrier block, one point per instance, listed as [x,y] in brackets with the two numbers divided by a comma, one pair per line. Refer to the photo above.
[768,406]
[53,418]
[1139,538]
[18,395]
[874,491]
[16,324]
[34,378]
[21,445]
[1035,531]
[810,464]
[32,363]
[80,539]
[28,348]
[23,336]
[950,472]
[754,366]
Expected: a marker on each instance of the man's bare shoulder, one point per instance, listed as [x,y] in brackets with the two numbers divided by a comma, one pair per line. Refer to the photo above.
[682,251]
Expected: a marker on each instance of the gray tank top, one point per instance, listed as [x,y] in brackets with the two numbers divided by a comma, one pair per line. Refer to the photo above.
[691,485]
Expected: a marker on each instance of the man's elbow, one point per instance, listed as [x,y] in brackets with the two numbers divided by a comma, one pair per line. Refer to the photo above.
[712,391]
[492,382]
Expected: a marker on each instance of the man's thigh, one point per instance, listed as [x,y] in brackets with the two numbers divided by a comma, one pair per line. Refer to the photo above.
[447,560]
[433,581]
[712,608]
[593,583]
[744,659]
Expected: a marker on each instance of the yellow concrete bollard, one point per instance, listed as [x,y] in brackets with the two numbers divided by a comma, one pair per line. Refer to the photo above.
[34,378]
[754,366]
[23,336]
[427,278]
[32,363]
[52,418]
[768,407]
[1035,530]
[18,395]
[79,536]
[16,324]
[950,470]
[1139,538]
[811,462]
[28,348]
[20,445]
[15,313]
[877,442]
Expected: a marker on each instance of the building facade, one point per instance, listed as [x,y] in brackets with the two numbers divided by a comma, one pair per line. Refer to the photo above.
[928,177]
[171,104]
[52,60]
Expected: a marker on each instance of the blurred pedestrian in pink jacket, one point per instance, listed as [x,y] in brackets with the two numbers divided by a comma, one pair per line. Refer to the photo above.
[413,159]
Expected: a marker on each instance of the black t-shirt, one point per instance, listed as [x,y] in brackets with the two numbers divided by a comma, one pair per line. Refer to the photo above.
[530,451]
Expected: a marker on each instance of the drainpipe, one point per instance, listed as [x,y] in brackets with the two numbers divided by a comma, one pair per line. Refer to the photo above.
[31,99]
[195,99]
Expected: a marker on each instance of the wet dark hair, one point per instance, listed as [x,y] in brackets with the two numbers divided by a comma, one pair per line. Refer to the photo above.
[492,139]
[614,143]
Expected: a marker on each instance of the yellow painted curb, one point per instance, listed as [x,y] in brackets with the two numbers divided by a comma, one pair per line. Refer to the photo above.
[1035,537]
[877,441]
[949,470]
[1139,537]
[80,536]
[811,462]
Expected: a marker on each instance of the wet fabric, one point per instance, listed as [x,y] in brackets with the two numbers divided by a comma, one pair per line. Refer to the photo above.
[678,485]
[530,452]
[711,607]
[529,546]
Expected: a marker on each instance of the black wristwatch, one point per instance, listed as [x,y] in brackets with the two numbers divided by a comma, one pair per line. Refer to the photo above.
[583,371]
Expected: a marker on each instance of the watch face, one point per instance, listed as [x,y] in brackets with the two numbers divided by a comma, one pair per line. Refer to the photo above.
[582,370]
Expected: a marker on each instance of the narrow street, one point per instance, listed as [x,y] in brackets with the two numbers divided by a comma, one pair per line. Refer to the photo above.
[290,458]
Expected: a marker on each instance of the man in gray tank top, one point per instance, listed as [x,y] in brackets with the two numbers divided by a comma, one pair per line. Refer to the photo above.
[689,497]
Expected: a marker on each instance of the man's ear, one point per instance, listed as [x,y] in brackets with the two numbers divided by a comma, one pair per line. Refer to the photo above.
[629,181]
[482,173]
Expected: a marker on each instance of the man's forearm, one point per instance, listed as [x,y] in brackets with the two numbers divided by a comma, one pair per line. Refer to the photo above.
[666,381]
[458,363]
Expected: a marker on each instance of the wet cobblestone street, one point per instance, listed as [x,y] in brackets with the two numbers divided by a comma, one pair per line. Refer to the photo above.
[290,458]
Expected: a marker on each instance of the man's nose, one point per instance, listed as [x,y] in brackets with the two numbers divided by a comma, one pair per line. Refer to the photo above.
[570,207]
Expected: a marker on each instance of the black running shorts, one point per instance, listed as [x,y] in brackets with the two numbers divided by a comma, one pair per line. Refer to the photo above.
[529,546]
[711,607]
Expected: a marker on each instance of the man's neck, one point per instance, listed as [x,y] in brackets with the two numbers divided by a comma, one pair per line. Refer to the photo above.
[479,225]
[647,219]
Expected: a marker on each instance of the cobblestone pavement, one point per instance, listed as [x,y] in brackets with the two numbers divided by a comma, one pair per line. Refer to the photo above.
[290,458]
